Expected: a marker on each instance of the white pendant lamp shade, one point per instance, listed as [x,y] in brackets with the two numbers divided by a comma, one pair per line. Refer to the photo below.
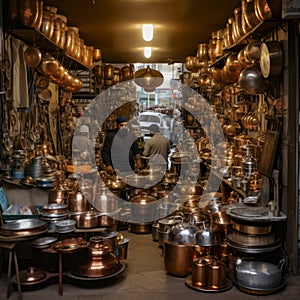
[147,52]
[147,31]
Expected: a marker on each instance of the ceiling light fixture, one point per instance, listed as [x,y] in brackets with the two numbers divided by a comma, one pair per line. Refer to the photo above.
[147,52]
[147,30]
[148,78]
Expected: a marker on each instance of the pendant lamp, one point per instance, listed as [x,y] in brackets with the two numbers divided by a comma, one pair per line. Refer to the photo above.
[148,78]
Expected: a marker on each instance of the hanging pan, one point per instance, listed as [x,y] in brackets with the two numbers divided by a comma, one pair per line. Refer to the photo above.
[271,59]
[33,57]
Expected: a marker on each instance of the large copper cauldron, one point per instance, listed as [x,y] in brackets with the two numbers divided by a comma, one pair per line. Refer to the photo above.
[178,259]
[99,260]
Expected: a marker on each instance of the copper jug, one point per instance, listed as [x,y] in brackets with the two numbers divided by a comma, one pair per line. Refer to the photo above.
[216,275]
[199,276]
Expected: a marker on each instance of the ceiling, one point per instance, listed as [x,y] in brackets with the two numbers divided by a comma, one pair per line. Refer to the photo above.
[114,26]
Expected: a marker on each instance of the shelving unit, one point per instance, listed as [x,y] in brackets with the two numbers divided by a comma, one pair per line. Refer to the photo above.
[35,38]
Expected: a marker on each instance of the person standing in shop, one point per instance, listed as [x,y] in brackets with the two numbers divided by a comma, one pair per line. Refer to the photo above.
[157,148]
[83,145]
[120,151]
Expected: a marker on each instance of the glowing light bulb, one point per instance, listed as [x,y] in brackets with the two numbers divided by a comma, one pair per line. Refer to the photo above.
[147,30]
[147,52]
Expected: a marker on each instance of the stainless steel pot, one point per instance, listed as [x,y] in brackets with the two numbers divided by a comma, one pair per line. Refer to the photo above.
[252,81]
[258,274]
[207,237]
[142,205]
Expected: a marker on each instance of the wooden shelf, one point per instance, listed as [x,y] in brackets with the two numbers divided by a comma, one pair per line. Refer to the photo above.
[257,33]
[35,38]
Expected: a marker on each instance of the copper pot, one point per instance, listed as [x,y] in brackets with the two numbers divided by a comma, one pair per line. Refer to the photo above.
[178,259]
[97,54]
[252,228]
[126,73]
[23,12]
[49,65]
[249,14]
[252,51]
[57,77]
[88,220]
[110,238]
[142,205]
[264,12]
[216,275]
[77,202]
[199,272]
[191,63]
[243,60]
[115,183]
[47,26]
[108,72]
[100,261]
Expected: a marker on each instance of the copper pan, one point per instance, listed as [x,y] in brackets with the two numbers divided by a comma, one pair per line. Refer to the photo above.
[33,57]
[252,51]
[243,59]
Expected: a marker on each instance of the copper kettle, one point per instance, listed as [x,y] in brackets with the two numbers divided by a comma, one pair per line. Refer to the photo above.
[100,261]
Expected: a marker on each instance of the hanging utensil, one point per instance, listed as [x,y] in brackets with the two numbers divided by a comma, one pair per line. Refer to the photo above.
[33,57]
[271,59]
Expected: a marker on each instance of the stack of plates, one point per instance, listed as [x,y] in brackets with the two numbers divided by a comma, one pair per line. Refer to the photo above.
[65,226]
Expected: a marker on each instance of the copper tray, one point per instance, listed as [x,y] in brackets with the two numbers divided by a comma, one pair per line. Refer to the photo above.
[87,278]
[70,245]
[188,282]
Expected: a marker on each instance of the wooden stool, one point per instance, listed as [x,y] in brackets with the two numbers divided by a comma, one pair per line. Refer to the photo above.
[11,246]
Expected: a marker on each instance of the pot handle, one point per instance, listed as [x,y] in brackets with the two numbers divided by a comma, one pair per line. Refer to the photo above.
[281,264]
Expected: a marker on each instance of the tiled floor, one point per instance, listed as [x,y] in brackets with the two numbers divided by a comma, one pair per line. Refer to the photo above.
[144,278]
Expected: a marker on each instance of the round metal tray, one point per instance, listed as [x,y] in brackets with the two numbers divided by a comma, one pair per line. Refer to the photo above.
[188,282]
[89,278]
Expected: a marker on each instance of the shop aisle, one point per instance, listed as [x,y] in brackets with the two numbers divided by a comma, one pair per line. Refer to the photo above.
[145,278]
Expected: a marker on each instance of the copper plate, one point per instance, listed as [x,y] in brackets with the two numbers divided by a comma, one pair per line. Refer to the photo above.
[70,245]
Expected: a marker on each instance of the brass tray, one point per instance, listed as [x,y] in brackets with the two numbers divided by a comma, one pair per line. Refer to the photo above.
[188,282]
[70,245]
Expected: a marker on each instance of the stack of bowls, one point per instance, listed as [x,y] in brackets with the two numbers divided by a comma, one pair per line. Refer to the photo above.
[53,213]
[65,226]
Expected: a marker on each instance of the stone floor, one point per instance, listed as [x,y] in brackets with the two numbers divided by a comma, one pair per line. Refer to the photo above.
[144,278]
